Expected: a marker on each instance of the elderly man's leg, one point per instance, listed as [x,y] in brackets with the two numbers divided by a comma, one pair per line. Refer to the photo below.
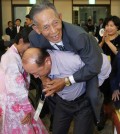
[83,118]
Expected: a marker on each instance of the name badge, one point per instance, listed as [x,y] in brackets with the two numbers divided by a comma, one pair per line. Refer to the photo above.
[38,110]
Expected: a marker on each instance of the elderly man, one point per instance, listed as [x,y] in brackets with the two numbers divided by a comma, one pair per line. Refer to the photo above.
[50,32]
[71,101]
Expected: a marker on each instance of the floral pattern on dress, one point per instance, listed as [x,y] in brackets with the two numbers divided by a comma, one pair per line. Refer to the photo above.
[20,79]
[14,102]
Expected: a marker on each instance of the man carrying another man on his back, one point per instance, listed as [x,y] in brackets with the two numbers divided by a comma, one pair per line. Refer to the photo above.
[71,101]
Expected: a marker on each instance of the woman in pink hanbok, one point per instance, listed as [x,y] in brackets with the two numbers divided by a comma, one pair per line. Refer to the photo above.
[16,112]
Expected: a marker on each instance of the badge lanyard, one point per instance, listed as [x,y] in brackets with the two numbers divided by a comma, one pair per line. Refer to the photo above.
[40,106]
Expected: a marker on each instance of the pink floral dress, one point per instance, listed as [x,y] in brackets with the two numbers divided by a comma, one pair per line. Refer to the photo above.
[14,103]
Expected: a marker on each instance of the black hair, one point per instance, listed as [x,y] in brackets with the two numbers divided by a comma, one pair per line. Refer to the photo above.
[114,19]
[28,16]
[18,19]
[9,22]
[23,34]
[101,19]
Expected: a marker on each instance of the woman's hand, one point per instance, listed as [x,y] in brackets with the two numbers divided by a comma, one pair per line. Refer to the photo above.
[115,95]
[26,119]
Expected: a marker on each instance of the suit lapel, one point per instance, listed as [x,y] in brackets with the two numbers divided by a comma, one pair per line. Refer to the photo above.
[66,42]
[44,42]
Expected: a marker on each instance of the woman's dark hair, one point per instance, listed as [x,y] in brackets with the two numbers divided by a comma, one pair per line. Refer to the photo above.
[114,19]
[24,33]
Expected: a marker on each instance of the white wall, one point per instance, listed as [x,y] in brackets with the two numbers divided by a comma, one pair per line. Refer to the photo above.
[65,8]
[115,8]
[6,13]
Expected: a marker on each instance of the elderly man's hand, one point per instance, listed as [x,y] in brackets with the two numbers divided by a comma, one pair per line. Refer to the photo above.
[45,80]
[54,86]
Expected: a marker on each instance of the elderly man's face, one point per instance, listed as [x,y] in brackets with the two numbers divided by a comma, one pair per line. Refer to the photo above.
[38,71]
[50,25]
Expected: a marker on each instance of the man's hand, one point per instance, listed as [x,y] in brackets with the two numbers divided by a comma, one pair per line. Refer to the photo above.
[26,119]
[45,80]
[115,95]
[54,86]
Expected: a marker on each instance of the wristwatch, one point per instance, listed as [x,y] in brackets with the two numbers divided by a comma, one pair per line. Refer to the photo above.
[67,82]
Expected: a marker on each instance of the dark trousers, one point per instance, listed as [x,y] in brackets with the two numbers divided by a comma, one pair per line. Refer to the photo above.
[78,110]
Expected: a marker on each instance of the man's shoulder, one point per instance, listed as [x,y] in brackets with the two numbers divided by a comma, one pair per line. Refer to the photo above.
[38,40]
[33,33]
[71,28]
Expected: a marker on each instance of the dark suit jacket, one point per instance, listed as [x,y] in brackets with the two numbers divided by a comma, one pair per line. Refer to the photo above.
[9,32]
[115,73]
[77,40]
[15,31]
[115,77]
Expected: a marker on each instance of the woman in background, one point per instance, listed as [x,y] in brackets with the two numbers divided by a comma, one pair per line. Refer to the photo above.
[111,39]
[16,112]
[110,44]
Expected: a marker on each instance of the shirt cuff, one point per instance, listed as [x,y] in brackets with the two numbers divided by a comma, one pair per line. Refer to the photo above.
[72,81]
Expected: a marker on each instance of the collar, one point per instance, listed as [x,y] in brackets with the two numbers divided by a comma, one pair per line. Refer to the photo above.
[14,48]
[59,43]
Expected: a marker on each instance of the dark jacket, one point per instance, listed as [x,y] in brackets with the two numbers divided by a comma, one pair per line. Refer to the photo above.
[115,77]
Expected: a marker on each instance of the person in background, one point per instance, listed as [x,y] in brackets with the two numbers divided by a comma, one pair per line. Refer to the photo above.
[110,44]
[16,112]
[111,39]
[90,26]
[100,26]
[9,29]
[51,63]
[17,27]
[29,22]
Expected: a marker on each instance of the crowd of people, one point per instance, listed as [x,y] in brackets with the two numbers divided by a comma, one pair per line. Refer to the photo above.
[78,73]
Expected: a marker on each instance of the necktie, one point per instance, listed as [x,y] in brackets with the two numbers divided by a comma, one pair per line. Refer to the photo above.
[61,48]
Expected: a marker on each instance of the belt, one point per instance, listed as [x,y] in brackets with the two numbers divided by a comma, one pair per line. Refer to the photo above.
[81,97]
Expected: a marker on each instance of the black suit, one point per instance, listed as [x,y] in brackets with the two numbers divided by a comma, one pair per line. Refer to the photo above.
[115,77]
[9,31]
[15,31]
[77,40]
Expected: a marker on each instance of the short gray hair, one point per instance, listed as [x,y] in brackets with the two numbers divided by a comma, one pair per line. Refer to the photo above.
[39,8]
